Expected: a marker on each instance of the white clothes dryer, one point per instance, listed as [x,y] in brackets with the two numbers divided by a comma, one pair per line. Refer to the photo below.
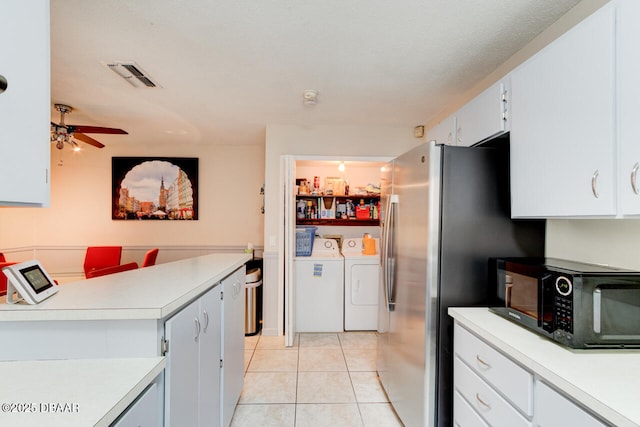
[319,289]
[361,283]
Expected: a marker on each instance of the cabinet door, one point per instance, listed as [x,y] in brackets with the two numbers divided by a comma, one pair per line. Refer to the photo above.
[443,132]
[143,412]
[233,343]
[25,105]
[210,355]
[181,372]
[555,410]
[562,125]
[483,117]
[628,65]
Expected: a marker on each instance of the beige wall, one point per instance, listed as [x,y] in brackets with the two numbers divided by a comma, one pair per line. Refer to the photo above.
[614,242]
[230,178]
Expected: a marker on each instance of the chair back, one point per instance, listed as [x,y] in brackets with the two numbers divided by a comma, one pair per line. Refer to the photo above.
[111,270]
[99,257]
[150,257]
[3,278]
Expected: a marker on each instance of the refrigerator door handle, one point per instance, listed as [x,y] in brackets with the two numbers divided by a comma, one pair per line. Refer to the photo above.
[388,254]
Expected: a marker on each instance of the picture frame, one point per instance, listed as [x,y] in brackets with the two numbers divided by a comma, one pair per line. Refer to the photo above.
[154,188]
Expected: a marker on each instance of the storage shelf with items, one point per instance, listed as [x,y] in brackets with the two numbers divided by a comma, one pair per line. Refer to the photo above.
[338,210]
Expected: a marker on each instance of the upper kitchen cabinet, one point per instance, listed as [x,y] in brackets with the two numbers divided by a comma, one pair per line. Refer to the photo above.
[25,103]
[563,124]
[628,65]
[443,132]
[484,117]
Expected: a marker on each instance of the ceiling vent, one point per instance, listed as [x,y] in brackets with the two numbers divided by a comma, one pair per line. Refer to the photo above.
[132,73]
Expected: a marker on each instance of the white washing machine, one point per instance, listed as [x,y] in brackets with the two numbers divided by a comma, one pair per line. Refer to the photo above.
[319,289]
[361,283]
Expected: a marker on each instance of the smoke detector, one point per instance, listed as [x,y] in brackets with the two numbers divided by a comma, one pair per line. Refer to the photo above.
[310,97]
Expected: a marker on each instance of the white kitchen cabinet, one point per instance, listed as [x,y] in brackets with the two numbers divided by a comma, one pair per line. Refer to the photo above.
[25,104]
[233,288]
[499,390]
[628,67]
[443,132]
[484,117]
[487,402]
[562,125]
[465,415]
[555,410]
[492,388]
[144,412]
[192,384]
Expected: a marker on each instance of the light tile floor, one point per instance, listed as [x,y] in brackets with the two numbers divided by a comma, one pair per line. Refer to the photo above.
[324,379]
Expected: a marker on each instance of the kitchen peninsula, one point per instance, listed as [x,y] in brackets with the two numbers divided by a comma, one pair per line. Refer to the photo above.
[189,311]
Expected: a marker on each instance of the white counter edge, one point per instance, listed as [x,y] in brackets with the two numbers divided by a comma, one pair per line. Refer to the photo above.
[40,312]
[130,397]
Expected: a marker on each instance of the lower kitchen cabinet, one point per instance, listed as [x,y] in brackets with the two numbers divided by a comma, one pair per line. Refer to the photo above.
[205,358]
[142,412]
[555,410]
[232,343]
[491,389]
[499,390]
[192,381]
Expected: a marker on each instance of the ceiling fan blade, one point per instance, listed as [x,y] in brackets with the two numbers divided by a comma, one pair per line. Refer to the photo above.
[97,129]
[84,138]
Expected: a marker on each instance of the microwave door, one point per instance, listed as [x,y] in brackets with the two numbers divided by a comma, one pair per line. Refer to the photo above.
[616,310]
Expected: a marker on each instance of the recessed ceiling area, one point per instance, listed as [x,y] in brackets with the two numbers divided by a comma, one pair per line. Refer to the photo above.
[226,69]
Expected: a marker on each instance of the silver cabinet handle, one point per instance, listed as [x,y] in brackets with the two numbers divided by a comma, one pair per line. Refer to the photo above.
[3,83]
[206,320]
[482,402]
[597,310]
[197,329]
[634,173]
[482,362]
[594,180]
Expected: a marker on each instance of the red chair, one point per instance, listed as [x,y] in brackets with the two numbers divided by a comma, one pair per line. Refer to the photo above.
[3,278]
[111,270]
[99,257]
[150,258]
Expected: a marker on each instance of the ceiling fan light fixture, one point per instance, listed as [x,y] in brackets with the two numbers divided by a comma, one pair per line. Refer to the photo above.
[132,73]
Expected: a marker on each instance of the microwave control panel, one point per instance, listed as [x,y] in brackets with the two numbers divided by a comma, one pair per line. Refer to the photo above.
[563,312]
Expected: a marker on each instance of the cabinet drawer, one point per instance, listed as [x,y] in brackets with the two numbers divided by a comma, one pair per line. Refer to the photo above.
[463,413]
[555,410]
[494,409]
[510,379]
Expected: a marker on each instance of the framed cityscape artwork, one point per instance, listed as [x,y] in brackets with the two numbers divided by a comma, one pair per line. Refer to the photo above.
[154,188]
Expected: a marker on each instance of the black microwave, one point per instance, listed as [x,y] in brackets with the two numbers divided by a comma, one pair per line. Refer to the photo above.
[573,303]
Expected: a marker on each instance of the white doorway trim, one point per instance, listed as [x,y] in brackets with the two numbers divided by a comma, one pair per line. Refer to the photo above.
[286,290]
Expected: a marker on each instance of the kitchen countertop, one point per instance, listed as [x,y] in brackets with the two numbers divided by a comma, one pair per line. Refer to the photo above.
[87,392]
[159,291]
[605,381]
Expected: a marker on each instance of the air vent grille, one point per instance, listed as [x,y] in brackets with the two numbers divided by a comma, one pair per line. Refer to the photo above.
[132,73]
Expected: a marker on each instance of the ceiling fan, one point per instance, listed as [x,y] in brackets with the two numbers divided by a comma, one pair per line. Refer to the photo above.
[61,132]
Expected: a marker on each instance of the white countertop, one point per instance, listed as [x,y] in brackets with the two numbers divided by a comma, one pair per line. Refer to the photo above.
[158,292]
[605,381]
[88,392]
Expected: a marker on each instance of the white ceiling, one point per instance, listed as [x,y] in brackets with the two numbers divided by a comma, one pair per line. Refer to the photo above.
[227,68]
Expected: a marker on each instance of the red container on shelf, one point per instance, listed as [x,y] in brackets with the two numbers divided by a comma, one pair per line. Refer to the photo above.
[362,212]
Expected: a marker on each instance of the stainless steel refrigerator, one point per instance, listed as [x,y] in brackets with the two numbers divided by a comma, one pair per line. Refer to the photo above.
[446,210]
